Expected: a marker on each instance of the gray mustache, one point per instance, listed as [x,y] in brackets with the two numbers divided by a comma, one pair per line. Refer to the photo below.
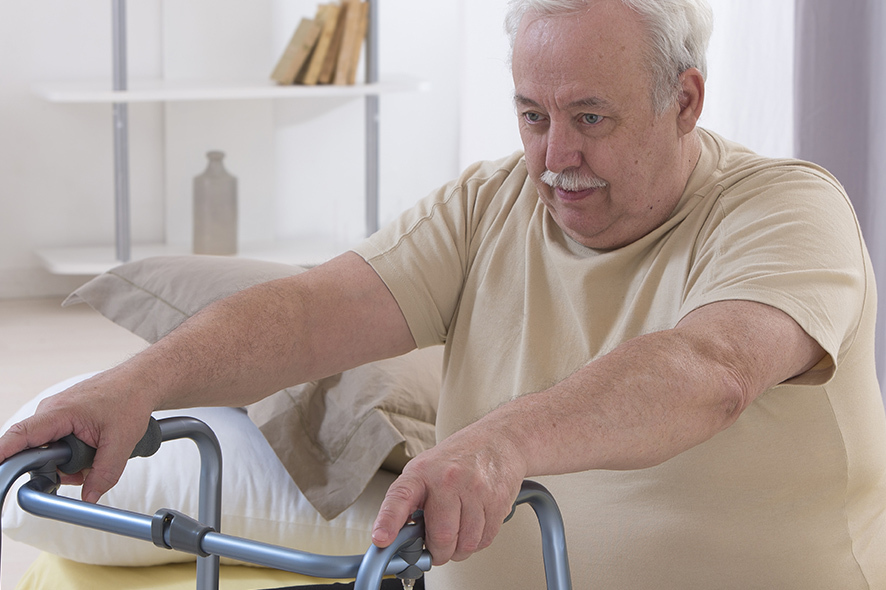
[571,180]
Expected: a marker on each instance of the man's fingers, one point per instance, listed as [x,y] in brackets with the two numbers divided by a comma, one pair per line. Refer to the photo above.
[101,477]
[113,450]
[30,433]
[14,441]
[405,496]
[471,531]
[465,494]
[52,425]
[443,515]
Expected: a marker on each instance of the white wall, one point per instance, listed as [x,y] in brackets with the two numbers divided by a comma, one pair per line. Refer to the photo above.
[489,123]
[55,161]
[751,74]
[299,163]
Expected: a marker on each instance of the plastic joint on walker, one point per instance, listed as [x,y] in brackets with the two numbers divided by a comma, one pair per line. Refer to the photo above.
[173,530]
[411,553]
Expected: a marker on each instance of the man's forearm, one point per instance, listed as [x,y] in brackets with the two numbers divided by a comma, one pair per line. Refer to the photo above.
[273,335]
[233,352]
[620,412]
[657,395]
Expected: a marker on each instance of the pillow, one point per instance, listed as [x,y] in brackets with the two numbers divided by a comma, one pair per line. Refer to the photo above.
[331,435]
[151,297]
[259,501]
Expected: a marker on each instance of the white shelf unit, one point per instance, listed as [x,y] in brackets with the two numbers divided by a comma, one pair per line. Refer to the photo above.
[120,93]
[92,260]
[183,90]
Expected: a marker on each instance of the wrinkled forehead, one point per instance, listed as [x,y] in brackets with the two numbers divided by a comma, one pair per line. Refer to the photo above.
[600,41]
[607,12]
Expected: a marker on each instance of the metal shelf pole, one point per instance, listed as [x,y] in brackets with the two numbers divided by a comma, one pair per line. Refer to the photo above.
[372,123]
[121,136]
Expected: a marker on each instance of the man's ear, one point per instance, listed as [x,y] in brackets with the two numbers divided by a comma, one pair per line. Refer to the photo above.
[691,99]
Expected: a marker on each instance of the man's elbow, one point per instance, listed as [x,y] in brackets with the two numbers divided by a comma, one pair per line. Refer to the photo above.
[734,394]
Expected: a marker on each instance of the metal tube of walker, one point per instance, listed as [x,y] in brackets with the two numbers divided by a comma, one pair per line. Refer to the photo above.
[553,534]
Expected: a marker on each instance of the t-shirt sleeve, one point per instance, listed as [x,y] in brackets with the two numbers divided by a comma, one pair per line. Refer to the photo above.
[787,238]
[424,256]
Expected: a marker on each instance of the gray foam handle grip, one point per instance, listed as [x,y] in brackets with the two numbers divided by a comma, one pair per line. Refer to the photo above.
[82,454]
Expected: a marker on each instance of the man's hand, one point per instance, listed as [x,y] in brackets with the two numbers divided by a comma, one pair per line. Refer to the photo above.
[466,486]
[113,425]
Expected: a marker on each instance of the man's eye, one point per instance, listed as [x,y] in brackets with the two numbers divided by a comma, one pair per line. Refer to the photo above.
[591,119]
[532,117]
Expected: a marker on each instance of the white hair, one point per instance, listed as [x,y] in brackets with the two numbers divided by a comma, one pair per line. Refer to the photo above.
[678,35]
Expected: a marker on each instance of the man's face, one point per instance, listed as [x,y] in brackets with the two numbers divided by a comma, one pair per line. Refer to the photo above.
[583,98]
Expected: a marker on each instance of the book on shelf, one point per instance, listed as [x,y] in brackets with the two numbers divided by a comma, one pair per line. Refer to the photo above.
[357,46]
[297,52]
[326,49]
[327,70]
[327,18]
[352,41]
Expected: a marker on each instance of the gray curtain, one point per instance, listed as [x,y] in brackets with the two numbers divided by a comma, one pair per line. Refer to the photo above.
[840,87]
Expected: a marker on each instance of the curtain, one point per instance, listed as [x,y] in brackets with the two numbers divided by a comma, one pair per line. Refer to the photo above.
[839,91]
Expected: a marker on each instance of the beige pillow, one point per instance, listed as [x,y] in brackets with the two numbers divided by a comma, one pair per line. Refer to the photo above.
[152,297]
[332,435]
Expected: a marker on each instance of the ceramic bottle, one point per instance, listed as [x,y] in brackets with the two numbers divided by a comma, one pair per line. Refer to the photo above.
[215,209]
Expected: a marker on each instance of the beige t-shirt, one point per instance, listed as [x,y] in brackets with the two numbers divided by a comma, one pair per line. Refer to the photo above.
[792,496]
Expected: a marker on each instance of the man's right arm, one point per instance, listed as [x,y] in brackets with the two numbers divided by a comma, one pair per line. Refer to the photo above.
[238,350]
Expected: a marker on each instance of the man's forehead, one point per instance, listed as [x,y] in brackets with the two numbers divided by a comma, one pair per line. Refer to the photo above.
[586,54]
[599,21]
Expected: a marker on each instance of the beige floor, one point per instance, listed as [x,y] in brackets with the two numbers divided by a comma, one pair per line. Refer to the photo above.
[42,343]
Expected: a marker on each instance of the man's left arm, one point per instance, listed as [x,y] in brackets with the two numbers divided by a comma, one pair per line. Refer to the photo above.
[645,402]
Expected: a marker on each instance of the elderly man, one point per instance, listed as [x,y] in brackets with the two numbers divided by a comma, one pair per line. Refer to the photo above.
[673,332]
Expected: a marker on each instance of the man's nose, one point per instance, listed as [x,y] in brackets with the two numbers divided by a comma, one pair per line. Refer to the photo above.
[563,148]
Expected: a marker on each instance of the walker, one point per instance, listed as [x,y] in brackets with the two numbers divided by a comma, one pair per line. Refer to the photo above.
[406,557]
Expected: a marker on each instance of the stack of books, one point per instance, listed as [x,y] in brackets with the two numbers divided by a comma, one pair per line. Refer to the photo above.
[326,48]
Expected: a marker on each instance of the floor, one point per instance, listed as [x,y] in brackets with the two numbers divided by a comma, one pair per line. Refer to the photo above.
[42,343]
